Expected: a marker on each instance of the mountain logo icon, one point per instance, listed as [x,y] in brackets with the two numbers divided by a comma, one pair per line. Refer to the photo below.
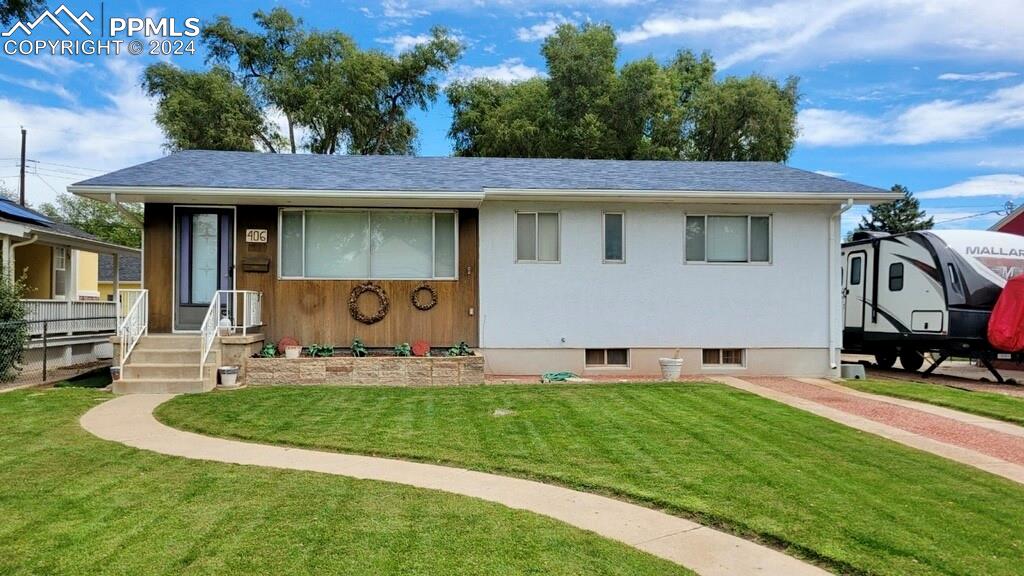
[53,17]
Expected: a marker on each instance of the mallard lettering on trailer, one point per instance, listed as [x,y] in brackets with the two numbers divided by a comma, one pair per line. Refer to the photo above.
[990,251]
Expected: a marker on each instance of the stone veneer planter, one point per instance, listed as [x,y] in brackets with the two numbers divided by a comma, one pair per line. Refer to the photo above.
[367,371]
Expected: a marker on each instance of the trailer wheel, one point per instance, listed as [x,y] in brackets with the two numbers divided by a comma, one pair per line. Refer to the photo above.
[885,359]
[912,360]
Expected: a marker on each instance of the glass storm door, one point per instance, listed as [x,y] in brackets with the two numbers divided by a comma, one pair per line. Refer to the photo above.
[204,262]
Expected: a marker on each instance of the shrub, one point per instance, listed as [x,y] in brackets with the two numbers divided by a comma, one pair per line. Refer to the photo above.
[323,351]
[358,350]
[268,350]
[421,348]
[461,350]
[13,329]
[403,349]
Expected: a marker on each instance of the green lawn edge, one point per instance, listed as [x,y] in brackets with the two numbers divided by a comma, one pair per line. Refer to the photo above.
[990,404]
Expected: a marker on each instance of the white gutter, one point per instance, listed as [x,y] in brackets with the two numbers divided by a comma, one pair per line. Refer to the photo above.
[12,266]
[833,284]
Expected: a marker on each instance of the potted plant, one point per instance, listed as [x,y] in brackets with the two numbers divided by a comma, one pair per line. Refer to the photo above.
[291,347]
[671,368]
[421,348]
[403,349]
[358,348]
[228,376]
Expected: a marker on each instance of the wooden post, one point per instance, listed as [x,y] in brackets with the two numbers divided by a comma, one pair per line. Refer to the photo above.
[22,193]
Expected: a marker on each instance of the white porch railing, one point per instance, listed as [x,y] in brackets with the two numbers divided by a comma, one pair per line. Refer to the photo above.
[70,316]
[134,323]
[229,312]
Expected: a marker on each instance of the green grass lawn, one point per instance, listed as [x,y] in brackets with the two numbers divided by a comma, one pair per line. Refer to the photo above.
[999,406]
[71,503]
[725,457]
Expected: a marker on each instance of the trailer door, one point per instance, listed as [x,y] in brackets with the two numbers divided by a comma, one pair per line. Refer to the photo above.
[853,294]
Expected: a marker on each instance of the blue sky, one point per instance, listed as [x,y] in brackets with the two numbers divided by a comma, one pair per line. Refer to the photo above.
[927,93]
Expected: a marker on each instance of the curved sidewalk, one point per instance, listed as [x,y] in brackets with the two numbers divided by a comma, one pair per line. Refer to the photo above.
[129,420]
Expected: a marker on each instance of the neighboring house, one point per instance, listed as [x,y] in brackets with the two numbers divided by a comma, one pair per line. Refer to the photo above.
[129,277]
[593,266]
[1012,223]
[59,266]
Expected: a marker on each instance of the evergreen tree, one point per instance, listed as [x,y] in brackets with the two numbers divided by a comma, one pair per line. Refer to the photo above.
[903,215]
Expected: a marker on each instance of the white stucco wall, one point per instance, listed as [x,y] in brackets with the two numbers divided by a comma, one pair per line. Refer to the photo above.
[653,299]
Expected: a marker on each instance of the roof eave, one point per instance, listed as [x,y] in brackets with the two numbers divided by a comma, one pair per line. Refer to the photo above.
[690,196]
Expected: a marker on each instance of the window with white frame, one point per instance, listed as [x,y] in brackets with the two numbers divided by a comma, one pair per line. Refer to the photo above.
[60,272]
[614,237]
[375,244]
[537,237]
[727,238]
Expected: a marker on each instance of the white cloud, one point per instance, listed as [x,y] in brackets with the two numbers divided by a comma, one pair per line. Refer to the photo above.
[510,70]
[811,31]
[543,29]
[402,42]
[987,185]
[935,121]
[55,65]
[829,173]
[58,90]
[669,25]
[977,76]
[117,132]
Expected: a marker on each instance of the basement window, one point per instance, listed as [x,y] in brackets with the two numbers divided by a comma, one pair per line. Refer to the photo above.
[723,357]
[613,357]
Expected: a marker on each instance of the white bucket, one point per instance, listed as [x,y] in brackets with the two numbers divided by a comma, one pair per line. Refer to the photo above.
[292,351]
[671,368]
[228,376]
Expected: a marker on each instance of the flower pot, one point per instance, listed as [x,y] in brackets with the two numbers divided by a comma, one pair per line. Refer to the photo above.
[671,368]
[228,376]
[115,373]
[292,351]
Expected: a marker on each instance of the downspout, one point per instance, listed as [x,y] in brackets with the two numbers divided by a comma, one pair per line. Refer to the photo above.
[16,245]
[835,229]
[124,212]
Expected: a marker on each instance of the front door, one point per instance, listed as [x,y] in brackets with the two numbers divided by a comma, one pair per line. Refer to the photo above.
[853,300]
[204,262]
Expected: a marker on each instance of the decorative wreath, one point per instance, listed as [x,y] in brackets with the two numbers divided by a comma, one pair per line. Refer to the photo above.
[415,297]
[382,297]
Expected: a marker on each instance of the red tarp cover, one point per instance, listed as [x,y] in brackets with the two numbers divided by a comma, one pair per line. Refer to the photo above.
[1006,325]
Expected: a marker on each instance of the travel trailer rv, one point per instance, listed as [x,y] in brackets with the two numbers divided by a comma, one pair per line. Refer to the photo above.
[908,294]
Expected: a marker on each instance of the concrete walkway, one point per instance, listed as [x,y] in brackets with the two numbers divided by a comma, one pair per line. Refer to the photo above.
[129,420]
[990,445]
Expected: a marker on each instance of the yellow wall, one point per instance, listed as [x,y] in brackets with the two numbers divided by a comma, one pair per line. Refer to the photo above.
[88,274]
[107,288]
[35,260]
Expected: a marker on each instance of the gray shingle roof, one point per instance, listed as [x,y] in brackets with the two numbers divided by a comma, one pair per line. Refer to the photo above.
[254,170]
[129,268]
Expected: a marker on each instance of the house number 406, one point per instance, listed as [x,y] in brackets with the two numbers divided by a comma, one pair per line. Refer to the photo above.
[255,236]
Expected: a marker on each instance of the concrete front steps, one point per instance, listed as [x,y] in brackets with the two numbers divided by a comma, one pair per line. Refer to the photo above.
[167,364]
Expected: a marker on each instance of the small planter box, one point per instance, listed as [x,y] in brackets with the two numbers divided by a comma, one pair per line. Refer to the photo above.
[367,371]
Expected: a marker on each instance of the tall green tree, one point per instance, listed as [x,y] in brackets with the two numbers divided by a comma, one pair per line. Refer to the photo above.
[903,215]
[332,96]
[587,108]
[97,218]
[205,110]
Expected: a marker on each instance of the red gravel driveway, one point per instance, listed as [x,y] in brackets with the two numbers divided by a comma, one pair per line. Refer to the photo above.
[1003,446]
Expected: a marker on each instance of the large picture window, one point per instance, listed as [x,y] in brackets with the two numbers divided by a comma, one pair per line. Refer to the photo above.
[367,244]
[728,238]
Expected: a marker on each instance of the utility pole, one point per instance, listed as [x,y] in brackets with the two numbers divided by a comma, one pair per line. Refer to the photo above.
[22,196]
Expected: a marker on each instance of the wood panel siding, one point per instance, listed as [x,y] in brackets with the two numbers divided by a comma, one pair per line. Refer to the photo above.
[316,311]
[158,272]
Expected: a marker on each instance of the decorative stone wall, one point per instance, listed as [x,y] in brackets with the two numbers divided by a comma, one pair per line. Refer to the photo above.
[367,371]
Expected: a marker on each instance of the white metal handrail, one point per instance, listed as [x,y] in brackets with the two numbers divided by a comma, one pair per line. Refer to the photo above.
[229,311]
[134,324]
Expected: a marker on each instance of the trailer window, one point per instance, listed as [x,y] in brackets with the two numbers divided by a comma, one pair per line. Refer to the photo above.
[855,270]
[953,278]
[896,277]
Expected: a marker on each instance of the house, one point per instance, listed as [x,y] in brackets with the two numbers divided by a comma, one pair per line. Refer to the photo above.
[129,275]
[1012,223]
[58,264]
[592,266]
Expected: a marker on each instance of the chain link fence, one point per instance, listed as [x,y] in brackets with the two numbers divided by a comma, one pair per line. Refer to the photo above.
[55,350]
